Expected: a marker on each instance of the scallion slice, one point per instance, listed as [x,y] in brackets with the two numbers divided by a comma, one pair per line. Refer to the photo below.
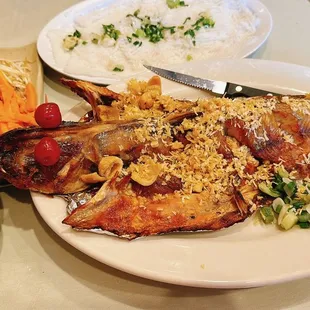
[289,220]
[304,217]
[290,188]
[268,190]
[304,225]
[267,214]
[277,205]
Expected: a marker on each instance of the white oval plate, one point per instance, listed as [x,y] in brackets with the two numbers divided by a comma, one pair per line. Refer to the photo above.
[67,17]
[246,255]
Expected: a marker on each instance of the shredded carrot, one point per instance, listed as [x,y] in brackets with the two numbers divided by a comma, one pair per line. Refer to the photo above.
[31,97]
[15,111]
[3,81]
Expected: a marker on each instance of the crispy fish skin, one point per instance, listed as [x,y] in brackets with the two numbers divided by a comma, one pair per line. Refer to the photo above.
[127,216]
[81,149]
[268,142]
[82,146]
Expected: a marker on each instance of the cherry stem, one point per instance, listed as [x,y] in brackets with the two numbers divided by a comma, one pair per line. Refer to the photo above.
[46,98]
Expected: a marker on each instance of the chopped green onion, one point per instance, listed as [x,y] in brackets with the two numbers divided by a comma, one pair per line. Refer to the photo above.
[77,34]
[190,32]
[290,189]
[84,42]
[289,220]
[137,43]
[292,207]
[277,180]
[172,4]
[283,173]
[153,32]
[172,29]
[129,39]
[267,214]
[304,217]
[277,205]
[286,180]
[304,225]
[283,213]
[119,68]
[135,14]
[268,190]
[189,57]
[186,19]
[287,200]
[70,42]
[95,40]
[139,33]
[206,22]
[298,204]
[110,31]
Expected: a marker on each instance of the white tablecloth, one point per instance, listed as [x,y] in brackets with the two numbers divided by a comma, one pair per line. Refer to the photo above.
[38,270]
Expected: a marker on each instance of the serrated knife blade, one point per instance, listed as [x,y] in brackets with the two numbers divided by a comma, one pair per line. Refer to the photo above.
[221,88]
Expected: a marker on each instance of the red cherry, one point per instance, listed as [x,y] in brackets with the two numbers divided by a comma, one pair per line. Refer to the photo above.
[47,152]
[48,115]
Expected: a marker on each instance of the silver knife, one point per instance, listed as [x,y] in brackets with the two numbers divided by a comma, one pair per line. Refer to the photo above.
[225,89]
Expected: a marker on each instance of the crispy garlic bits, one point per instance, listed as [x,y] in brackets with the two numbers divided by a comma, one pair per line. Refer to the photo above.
[146,171]
[108,167]
[151,92]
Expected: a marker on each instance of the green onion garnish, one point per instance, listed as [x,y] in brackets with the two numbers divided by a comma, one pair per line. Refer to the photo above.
[172,4]
[77,34]
[304,217]
[267,214]
[110,31]
[118,68]
[304,225]
[290,189]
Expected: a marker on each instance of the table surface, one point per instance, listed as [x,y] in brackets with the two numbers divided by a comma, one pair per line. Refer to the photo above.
[38,270]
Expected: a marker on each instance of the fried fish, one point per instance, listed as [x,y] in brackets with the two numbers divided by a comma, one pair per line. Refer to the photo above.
[161,165]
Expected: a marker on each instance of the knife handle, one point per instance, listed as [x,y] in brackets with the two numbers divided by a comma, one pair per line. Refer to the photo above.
[235,90]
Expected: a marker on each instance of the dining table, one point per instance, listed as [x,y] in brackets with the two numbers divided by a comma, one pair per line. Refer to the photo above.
[39,270]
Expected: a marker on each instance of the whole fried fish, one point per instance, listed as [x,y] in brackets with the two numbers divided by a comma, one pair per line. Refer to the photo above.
[188,168]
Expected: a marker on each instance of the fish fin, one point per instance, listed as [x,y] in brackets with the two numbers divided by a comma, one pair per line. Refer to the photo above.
[93,94]
[131,216]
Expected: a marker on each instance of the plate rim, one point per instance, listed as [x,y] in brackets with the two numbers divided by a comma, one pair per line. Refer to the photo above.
[42,40]
[205,283]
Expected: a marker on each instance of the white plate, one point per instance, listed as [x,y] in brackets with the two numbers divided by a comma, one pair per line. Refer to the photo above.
[67,17]
[245,255]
